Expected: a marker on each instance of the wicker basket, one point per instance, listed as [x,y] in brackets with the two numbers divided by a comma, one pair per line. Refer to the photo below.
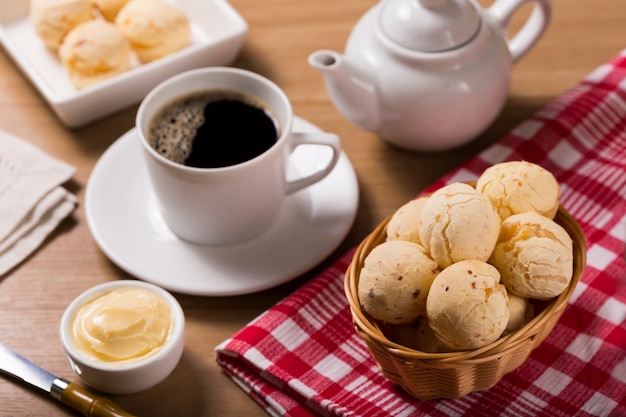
[453,375]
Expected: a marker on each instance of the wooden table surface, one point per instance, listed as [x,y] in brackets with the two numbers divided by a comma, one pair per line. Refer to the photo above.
[282,33]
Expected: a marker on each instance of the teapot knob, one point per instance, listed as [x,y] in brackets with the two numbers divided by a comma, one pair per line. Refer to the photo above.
[429,25]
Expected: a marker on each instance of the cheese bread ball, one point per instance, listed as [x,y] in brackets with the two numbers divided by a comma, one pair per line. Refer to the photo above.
[94,51]
[535,255]
[519,186]
[404,223]
[521,312]
[154,28]
[458,223]
[394,281]
[109,8]
[467,307]
[415,335]
[53,19]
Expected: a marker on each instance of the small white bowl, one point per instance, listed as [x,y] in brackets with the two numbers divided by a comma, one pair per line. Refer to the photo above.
[124,377]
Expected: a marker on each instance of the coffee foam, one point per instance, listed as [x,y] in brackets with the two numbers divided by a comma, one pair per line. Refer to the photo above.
[173,129]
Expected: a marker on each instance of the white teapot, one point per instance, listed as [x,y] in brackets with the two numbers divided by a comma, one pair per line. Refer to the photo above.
[429,75]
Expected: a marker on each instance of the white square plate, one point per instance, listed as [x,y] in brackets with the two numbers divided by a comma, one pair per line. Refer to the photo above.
[217,35]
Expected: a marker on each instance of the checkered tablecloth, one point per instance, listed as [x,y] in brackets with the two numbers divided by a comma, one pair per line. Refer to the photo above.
[302,357]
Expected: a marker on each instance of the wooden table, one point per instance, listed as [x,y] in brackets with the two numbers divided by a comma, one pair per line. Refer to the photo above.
[582,35]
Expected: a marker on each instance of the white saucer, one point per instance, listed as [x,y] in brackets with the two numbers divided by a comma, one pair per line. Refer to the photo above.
[125,222]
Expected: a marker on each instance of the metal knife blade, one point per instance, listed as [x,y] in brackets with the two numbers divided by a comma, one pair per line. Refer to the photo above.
[88,404]
[13,364]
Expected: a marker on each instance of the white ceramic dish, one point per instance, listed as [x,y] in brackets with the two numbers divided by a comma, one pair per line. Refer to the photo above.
[126,377]
[218,33]
[125,222]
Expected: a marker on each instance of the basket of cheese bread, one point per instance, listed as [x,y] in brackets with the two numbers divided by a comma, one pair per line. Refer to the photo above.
[457,288]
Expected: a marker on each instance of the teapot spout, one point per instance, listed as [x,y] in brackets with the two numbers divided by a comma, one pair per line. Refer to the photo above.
[350,87]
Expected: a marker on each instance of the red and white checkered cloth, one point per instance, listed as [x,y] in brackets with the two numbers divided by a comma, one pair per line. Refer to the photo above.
[302,357]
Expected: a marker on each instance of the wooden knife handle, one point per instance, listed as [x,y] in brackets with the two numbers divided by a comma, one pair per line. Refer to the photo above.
[91,405]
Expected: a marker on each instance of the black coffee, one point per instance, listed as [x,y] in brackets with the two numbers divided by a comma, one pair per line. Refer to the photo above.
[213,129]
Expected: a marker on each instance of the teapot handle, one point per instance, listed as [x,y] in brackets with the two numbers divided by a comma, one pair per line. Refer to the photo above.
[503,10]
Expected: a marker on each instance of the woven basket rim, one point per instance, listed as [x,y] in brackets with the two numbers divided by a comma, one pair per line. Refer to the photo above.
[485,353]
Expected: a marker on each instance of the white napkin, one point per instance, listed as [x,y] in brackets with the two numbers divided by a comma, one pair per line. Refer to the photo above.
[32,200]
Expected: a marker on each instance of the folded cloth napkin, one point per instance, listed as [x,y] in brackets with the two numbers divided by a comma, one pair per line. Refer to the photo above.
[302,357]
[32,200]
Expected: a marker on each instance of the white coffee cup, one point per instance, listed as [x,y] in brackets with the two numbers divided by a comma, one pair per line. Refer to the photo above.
[232,204]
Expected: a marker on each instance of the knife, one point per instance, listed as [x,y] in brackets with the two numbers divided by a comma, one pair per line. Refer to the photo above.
[68,393]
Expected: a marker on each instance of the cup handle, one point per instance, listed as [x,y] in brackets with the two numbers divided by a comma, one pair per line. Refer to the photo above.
[322,139]
[503,10]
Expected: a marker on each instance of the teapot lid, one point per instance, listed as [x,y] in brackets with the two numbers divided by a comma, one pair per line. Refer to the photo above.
[429,25]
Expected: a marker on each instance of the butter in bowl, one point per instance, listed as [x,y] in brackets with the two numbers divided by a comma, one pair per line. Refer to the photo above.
[123,337]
